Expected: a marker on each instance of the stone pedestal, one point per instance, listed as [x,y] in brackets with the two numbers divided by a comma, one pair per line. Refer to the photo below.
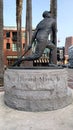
[36,89]
[70,53]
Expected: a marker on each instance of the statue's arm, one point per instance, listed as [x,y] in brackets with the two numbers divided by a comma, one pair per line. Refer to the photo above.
[34,35]
[36,31]
[33,38]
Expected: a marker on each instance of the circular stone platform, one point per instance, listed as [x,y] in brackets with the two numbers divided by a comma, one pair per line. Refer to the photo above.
[36,89]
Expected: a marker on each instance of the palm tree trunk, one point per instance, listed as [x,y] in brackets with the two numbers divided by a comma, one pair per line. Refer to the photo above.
[53,9]
[28,27]
[28,21]
[19,21]
[1,43]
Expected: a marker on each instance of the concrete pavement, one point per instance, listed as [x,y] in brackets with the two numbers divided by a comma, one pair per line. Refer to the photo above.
[10,119]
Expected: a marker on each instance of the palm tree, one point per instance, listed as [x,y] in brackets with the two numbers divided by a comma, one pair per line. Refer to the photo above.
[19,21]
[1,43]
[53,9]
[28,27]
[28,21]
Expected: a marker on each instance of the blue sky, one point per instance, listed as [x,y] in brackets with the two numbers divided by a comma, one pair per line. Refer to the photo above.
[64,19]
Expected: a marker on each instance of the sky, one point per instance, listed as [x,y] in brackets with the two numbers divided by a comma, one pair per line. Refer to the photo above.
[64,16]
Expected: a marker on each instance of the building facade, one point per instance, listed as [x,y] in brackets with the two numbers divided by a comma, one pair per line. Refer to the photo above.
[60,55]
[10,40]
[68,43]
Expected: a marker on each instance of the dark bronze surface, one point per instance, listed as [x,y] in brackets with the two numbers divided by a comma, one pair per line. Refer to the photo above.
[45,28]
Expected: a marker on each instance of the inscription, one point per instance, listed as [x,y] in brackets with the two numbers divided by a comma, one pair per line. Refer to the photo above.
[40,78]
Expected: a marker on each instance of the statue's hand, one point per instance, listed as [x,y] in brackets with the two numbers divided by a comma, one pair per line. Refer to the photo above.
[17,63]
[29,47]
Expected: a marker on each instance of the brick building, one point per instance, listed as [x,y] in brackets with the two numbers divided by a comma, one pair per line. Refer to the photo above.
[10,39]
[68,43]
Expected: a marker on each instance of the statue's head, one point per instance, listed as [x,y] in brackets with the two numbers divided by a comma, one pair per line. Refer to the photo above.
[46,14]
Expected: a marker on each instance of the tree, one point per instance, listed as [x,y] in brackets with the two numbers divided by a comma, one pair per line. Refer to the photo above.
[53,9]
[1,43]
[28,27]
[19,26]
[28,21]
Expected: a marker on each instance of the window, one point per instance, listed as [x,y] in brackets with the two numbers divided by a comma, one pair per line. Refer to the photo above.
[61,54]
[23,45]
[14,33]
[7,34]
[8,46]
[14,36]
[14,47]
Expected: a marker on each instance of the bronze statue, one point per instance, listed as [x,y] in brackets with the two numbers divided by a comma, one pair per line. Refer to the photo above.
[43,29]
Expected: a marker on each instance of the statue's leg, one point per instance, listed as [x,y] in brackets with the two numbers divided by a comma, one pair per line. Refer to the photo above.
[38,52]
[51,46]
[41,45]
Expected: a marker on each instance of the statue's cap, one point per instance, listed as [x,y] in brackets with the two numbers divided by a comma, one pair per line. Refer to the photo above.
[46,14]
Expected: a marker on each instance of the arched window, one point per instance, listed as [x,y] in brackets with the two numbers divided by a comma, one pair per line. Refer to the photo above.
[8,46]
